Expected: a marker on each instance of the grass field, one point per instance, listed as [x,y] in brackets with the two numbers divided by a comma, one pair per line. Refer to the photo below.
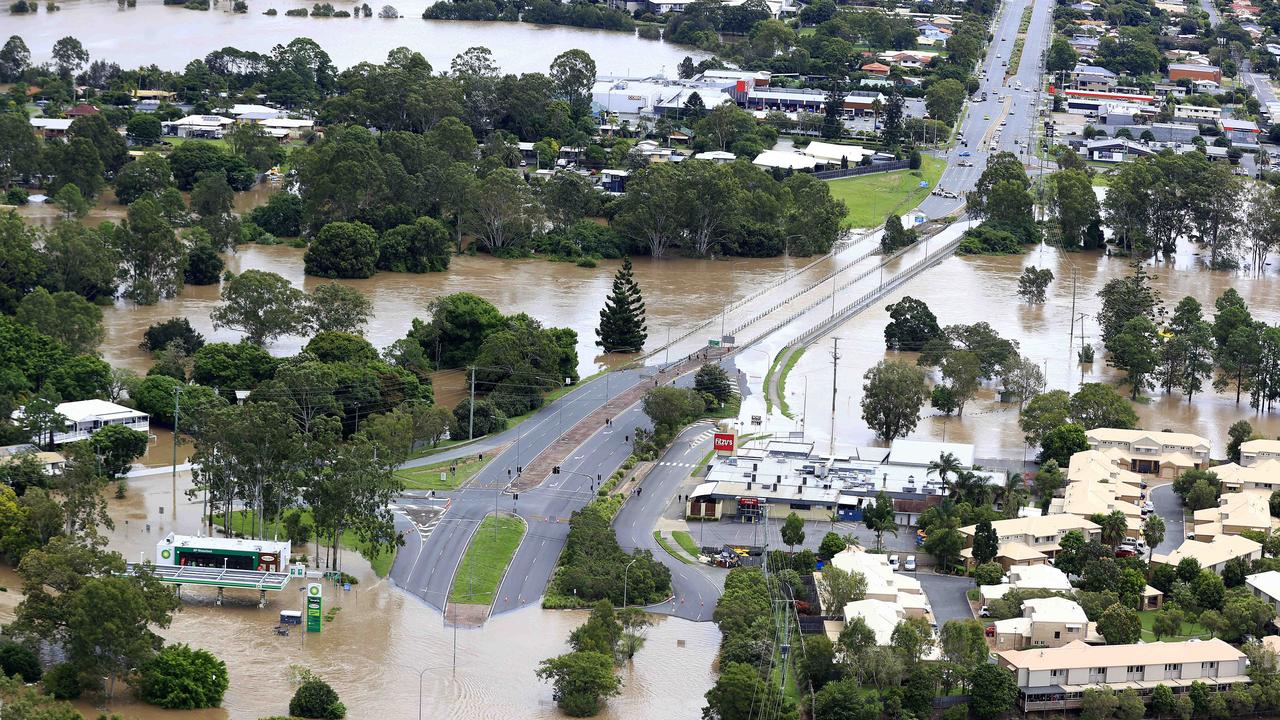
[427,477]
[1189,630]
[685,541]
[782,381]
[870,198]
[666,545]
[242,523]
[488,555]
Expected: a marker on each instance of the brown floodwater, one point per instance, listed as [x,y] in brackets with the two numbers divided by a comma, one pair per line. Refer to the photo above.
[381,640]
[679,294]
[171,36]
[970,289]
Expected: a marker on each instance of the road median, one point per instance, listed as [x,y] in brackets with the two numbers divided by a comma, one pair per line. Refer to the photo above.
[479,574]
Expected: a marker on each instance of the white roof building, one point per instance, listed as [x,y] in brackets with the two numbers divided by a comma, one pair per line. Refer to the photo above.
[1213,555]
[785,160]
[85,417]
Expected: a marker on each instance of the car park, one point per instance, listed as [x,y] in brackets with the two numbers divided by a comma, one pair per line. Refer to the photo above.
[910,565]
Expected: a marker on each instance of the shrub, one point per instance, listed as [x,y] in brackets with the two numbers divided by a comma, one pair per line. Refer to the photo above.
[182,678]
[315,699]
[18,659]
[62,681]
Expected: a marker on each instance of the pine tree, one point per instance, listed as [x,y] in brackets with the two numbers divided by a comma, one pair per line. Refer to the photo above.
[622,327]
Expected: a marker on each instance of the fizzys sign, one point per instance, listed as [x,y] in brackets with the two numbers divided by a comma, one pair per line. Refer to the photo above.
[315,611]
[723,442]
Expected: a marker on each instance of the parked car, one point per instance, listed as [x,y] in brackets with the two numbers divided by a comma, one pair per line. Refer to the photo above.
[984,612]
[1126,551]
[910,566]
[893,562]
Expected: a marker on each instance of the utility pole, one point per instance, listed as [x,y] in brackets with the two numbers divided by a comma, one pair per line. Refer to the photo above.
[835,359]
[174,479]
[471,419]
[1071,338]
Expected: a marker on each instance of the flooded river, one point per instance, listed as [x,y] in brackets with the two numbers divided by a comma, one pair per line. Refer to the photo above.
[970,289]
[381,640]
[172,36]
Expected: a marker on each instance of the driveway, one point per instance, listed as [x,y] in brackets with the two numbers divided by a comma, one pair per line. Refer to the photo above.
[946,594]
[1169,508]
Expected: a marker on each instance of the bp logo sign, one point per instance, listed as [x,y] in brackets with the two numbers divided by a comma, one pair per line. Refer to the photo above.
[313,589]
[166,553]
[315,611]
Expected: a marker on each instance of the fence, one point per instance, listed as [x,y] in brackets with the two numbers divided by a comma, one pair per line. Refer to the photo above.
[863,170]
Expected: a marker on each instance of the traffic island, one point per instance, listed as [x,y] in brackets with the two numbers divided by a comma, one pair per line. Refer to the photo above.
[479,574]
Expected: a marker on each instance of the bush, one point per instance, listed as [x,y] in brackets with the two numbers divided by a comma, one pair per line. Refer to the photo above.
[62,681]
[343,250]
[315,699]
[988,574]
[18,659]
[16,196]
[161,334]
[281,216]
[182,678]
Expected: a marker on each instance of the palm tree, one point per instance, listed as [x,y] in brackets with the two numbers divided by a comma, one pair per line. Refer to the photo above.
[946,464]
[972,488]
[1153,533]
[1114,525]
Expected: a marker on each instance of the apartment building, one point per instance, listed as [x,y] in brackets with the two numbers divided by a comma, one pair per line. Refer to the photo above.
[1265,585]
[1045,622]
[1262,473]
[1235,513]
[1255,452]
[1213,555]
[1027,577]
[1162,454]
[1030,540]
[1055,678]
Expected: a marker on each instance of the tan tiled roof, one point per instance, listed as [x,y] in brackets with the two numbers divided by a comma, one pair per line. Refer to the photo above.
[1079,655]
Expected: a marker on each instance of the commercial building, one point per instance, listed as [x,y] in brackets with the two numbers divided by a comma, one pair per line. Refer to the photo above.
[1116,150]
[227,553]
[1240,132]
[1198,113]
[1192,72]
[1213,555]
[1092,77]
[1051,679]
[1046,622]
[1162,454]
[790,476]
[1030,540]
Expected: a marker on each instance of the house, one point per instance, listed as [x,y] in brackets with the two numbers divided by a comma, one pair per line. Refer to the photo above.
[286,128]
[890,597]
[1084,44]
[1193,72]
[1235,513]
[613,181]
[1198,113]
[1256,452]
[51,462]
[783,160]
[1213,555]
[82,110]
[719,157]
[199,126]
[877,69]
[51,127]
[1167,90]
[1116,150]
[1265,585]
[833,154]
[1045,622]
[85,417]
[1030,540]
[1092,77]
[1163,454]
[1097,486]
[157,95]
[1027,577]
[1054,679]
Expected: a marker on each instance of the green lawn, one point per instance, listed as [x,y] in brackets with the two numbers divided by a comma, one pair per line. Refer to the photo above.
[242,522]
[670,550]
[488,555]
[685,540]
[427,477]
[782,381]
[871,198]
[1189,630]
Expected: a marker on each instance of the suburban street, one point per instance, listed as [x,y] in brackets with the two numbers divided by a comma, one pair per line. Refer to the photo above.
[1169,508]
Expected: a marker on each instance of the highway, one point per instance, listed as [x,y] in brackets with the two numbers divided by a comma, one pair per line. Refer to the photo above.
[834,284]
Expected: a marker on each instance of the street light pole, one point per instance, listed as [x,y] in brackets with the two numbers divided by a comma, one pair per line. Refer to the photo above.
[624,581]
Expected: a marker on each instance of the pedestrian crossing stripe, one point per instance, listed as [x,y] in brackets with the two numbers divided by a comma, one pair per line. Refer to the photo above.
[676,464]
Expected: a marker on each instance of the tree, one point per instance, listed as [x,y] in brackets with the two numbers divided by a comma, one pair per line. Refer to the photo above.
[793,531]
[1032,284]
[333,307]
[458,326]
[1060,443]
[712,380]
[343,250]
[1076,208]
[839,588]
[945,544]
[203,265]
[182,678]
[1062,57]
[69,56]
[738,691]
[846,700]
[16,659]
[73,258]
[581,679]
[502,211]
[63,316]
[1153,532]
[74,162]
[879,518]
[420,247]
[992,692]
[832,544]
[1126,298]
[1112,527]
[911,325]
[1098,405]
[144,129]
[893,393]
[986,544]
[622,320]
[944,99]
[1239,432]
[670,408]
[152,254]
[19,148]
[117,446]
[895,238]
[1120,625]
[1099,704]
[1043,413]
[989,573]
[1135,351]
[600,633]
[315,699]
[573,72]
[281,215]
[262,305]
[1167,623]
[15,57]
[963,373]
[71,202]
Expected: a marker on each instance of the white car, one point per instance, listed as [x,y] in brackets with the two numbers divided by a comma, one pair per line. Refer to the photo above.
[893,562]
[910,566]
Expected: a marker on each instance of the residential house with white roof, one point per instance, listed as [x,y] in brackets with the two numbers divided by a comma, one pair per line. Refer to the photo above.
[890,598]
[1027,577]
[1265,585]
[85,417]
[1254,452]
[1213,555]
[1235,513]
[1163,454]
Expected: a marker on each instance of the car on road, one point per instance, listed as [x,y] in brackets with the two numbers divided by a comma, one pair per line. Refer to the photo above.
[893,562]
[965,153]
[965,163]
[910,565]
[986,117]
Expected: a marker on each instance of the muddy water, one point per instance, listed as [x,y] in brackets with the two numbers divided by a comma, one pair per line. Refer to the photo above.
[967,290]
[678,293]
[380,640]
[172,36]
